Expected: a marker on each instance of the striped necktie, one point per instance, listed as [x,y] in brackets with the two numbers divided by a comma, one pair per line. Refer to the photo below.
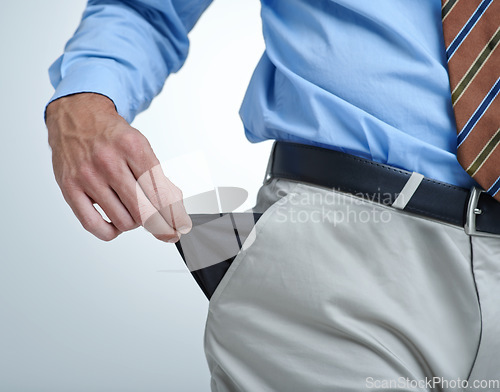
[471,31]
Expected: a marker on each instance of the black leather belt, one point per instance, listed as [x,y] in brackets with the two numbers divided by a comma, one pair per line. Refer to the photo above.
[475,210]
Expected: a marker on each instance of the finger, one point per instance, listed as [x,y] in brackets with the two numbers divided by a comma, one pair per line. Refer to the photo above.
[164,196]
[153,220]
[89,217]
[140,207]
[113,208]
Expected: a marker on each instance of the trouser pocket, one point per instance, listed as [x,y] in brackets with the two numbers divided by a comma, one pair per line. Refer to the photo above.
[212,245]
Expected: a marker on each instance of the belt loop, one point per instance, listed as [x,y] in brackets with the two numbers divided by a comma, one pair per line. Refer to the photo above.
[270,163]
[408,191]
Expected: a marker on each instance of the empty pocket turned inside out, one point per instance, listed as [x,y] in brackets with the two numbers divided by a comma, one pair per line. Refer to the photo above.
[213,243]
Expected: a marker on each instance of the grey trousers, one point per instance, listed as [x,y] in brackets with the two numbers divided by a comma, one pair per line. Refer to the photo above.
[337,293]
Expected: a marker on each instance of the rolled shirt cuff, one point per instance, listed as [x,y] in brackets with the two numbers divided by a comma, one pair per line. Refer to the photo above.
[96,77]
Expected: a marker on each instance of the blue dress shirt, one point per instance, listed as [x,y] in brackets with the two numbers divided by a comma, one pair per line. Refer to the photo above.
[362,76]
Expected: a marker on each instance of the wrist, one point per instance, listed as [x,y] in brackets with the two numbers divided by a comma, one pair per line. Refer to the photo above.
[94,102]
[79,110]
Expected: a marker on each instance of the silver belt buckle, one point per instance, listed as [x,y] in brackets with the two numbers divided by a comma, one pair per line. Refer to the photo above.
[472,212]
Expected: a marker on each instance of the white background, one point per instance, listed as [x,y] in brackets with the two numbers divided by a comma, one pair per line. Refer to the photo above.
[77,314]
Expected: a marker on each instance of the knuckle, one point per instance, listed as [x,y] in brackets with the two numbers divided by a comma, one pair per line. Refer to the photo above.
[125,225]
[137,148]
[86,174]
[139,219]
[131,141]
[136,214]
[67,184]
[106,158]
[120,225]
[90,224]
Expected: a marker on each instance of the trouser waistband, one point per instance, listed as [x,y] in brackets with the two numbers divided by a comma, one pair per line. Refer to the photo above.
[473,209]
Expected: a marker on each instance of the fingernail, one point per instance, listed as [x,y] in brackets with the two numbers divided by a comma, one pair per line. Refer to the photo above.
[184,229]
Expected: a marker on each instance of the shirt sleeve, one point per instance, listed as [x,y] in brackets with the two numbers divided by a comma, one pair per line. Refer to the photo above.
[125,49]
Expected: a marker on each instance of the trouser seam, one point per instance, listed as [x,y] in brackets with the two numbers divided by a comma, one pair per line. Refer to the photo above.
[479,305]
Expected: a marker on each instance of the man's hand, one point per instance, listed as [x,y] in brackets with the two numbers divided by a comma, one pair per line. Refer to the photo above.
[99,158]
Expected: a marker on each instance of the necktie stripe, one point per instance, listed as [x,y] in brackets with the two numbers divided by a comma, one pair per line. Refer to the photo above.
[473,44]
[457,18]
[447,7]
[476,67]
[493,190]
[489,173]
[469,126]
[484,130]
[457,41]
[477,90]
[484,154]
